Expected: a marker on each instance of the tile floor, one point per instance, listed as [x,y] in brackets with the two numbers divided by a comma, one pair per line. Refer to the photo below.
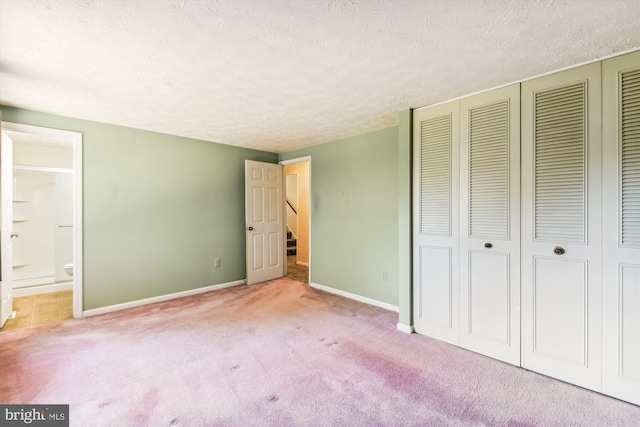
[42,308]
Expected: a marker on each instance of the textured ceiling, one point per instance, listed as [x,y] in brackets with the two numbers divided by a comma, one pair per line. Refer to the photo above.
[279,75]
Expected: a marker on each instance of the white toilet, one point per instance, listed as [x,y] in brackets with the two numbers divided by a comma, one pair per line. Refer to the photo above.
[68,268]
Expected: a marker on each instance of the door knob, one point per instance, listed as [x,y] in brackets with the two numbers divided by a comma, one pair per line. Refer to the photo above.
[250,228]
[488,245]
[14,235]
[558,250]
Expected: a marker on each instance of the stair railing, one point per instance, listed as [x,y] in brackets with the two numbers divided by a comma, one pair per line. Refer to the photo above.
[292,208]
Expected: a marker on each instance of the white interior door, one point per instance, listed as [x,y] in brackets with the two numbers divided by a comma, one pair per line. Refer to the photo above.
[561,225]
[264,221]
[621,222]
[490,224]
[436,231]
[6,232]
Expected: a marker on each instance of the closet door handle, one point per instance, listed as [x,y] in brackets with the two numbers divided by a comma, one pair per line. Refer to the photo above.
[488,245]
[558,250]
[250,228]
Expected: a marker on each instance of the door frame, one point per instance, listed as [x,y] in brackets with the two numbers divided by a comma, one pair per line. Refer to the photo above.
[76,139]
[291,162]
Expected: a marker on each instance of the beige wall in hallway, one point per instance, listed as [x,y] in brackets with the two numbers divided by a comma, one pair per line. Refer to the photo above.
[302,170]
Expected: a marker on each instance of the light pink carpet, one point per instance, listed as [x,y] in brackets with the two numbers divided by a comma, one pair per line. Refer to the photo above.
[277,354]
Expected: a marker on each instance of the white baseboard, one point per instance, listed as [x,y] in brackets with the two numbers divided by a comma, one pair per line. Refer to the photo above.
[356,297]
[408,329]
[137,303]
[306,264]
[42,289]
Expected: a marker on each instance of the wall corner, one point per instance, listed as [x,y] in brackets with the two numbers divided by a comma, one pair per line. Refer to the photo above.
[405,118]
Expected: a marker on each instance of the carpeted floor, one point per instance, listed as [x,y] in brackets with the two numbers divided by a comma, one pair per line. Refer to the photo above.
[277,354]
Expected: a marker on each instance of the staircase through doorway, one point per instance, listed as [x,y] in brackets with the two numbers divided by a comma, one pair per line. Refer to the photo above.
[295,271]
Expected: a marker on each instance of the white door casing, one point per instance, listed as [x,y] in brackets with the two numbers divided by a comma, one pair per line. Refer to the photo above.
[74,138]
[561,225]
[436,222]
[264,221]
[621,227]
[490,223]
[6,232]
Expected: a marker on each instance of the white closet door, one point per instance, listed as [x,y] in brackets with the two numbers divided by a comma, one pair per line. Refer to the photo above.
[621,233]
[561,225]
[490,223]
[436,222]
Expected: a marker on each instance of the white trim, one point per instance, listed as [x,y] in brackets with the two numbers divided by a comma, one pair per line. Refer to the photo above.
[306,264]
[291,162]
[42,289]
[359,298]
[78,217]
[76,139]
[296,160]
[160,298]
[407,329]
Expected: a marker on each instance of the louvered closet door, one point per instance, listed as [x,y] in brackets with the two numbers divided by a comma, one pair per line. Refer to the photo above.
[490,224]
[561,225]
[621,233]
[436,222]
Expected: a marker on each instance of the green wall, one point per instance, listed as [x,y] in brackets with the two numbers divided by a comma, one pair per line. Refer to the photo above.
[157,209]
[404,220]
[354,214]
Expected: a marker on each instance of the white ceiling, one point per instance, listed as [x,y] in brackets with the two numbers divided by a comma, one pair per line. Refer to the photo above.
[279,75]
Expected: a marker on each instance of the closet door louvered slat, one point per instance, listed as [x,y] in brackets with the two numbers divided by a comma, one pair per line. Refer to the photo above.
[490,223]
[561,226]
[621,235]
[560,135]
[435,178]
[436,228]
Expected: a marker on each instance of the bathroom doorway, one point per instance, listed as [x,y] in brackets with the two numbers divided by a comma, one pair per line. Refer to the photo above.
[298,218]
[47,221]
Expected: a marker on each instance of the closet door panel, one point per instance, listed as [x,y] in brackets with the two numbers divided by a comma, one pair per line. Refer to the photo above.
[561,225]
[488,297]
[436,222]
[559,287]
[621,221]
[436,306]
[490,223]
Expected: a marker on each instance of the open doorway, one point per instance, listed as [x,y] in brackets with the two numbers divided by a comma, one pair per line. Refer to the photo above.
[298,218]
[46,210]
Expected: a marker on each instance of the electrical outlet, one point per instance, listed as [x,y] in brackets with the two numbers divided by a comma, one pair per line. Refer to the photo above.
[217,263]
[385,275]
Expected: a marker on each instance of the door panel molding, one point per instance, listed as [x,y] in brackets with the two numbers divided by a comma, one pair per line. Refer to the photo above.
[436,228]
[490,223]
[264,187]
[621,234]
[561,225]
